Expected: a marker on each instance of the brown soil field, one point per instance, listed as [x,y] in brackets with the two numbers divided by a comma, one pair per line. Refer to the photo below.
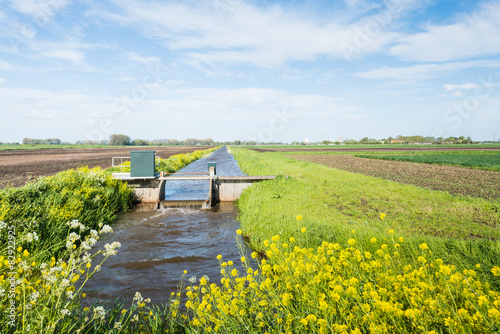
[376,149]
[456,180]
[18,166]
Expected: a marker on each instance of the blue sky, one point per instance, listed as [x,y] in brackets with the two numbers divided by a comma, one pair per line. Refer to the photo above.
[249,70]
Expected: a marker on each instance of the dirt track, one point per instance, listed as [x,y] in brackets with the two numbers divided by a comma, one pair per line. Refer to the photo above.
[17,166]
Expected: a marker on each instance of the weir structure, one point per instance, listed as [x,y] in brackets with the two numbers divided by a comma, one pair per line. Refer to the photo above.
[149,186]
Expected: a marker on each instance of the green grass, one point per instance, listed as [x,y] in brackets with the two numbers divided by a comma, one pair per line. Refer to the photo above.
[334,203]
[475,159]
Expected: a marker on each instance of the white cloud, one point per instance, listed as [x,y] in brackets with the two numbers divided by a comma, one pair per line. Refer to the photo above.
[69,55]
[470,36]
[424,71]
[267,36]
[40,10]
[465,86]
[5,66]
[458,93]
[148,61]
[2,80]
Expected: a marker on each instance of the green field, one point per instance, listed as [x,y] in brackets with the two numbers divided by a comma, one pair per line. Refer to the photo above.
[488,160]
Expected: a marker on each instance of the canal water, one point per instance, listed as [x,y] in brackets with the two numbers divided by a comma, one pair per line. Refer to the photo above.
[158,245]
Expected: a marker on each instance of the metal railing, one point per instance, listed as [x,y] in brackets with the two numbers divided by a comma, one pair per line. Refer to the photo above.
[121,165]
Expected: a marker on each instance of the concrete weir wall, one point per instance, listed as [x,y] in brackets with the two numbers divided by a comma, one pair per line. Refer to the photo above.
[221,189]
[147,191]
[229,188]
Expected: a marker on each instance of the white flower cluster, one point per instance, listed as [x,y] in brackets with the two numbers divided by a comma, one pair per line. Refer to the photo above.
[106,229]
[99,312]
[32,236]
[65,312]
[76,224]
[71,239]
[111,249]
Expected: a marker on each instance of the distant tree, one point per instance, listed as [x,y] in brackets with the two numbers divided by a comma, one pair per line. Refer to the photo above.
[119,140]
[173,142]
[140,142]
[53,141]
[191,141]
[28,141]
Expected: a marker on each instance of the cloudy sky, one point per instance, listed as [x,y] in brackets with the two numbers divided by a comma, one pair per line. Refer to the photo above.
[248,69]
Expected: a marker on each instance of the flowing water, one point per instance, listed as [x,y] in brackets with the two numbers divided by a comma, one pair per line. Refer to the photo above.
[158,245]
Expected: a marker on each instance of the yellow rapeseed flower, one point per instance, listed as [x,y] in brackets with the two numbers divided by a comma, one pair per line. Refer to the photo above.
[238,232]
[373,240]
[423,246]
[391,231]
[84,295]
[299,217]
[303,230]
[382,216]
[219,257]
[495,271]
[26,253]
[351,242]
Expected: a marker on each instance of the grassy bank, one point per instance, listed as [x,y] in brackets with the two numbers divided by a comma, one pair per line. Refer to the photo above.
[335,205]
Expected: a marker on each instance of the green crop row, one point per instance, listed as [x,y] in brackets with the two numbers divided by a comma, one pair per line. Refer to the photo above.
[480,160]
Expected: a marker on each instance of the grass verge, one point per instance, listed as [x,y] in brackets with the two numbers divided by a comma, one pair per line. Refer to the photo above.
[335,205]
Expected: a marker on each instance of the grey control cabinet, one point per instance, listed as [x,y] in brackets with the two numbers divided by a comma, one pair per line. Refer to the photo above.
[142,163]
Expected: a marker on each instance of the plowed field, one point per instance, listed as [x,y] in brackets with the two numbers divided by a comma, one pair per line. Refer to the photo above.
[456,180]
[18,166]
